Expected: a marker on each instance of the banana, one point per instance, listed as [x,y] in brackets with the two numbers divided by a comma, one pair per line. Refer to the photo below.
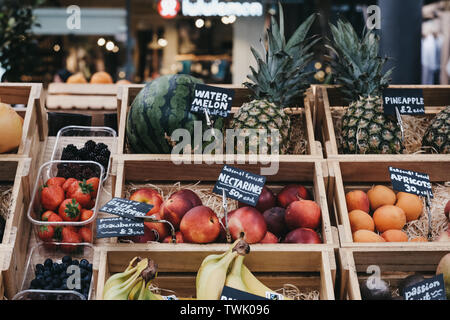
[121,277]
[122,290]
[148,275]
[134,293]
[211,275]
[254,286]
[234,278]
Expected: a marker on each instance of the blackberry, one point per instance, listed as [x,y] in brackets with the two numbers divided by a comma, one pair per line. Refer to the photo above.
[84,154]
[105,153]
[67,155]
[100,146]
[71,148]
[90,145]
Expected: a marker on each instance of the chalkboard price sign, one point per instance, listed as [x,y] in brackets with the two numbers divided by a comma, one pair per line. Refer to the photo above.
[229,293]
[217,101]
[126,208]
[119,227]
[430,289]
[407,101]
[240,185]
[411,182]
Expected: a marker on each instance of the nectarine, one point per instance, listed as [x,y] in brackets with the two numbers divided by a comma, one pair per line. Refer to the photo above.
[303,214]
[200,225]
[249,222]
[302,235]
[269,238]
[291,193]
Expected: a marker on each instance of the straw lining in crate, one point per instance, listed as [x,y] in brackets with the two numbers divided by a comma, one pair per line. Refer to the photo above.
[5,202]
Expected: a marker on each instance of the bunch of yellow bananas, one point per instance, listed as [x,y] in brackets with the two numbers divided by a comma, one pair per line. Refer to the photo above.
[228,269]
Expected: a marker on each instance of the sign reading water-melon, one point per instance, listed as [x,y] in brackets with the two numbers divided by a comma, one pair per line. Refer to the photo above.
[215,100]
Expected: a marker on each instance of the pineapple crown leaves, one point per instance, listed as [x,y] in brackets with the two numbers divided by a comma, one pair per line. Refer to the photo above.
[358,66]
[280,76]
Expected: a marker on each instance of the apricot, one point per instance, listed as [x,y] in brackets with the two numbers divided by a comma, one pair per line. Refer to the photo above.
[367,236]
[357,199]
[419,239]
[360,220]
[389,217]
[381,195]
[395,235]
[411,204]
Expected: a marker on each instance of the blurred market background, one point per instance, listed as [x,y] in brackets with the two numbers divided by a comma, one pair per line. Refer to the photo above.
[139,40]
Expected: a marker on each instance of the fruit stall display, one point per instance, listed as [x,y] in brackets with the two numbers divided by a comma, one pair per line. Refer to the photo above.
[191,271]
[399,268]
[21,128]
[351,116]
[292,207]
[372,214]
[49,268]
[15,180]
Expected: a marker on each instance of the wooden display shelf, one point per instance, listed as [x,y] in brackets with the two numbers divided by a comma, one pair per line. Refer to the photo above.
[128,93]
[346,175]
[16,172]
[163,173]
[328,98]
[35,121]
[307,268]
[395,264]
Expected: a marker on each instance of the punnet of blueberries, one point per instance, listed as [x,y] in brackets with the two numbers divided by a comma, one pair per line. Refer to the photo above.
[91,151]
[52,275]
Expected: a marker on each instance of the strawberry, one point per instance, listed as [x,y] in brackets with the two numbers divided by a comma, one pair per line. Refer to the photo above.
[55,218]
[56,181]
[51,197]
[46,233]
[68,183]
[46,215]
[70,210]
[70,236]
[86,234]
[81,193]
[94,182]
[86,214]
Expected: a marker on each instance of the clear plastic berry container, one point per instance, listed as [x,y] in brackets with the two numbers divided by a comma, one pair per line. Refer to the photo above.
[56,251]
[35,210]
[79,135]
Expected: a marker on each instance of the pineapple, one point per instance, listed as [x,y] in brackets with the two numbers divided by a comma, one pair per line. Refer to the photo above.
[280,79]
[437,135]
[358,69]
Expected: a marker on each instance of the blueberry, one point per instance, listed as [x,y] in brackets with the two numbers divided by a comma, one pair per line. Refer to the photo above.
[86,280]
[83,272]
[57,269]
[75,262]
[67,259]
[48,287]
[89,267]
[47,274]
[56,282]
[39,267]
[48,263]
[64,286]
[48,280]
[65,265]
[38,272]
[84,263]
[34,284]
[62,276]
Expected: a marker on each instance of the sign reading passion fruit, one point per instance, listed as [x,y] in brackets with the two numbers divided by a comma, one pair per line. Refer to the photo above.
[430,289]
[215,100]
[407,101]
[411,182]
[240,185]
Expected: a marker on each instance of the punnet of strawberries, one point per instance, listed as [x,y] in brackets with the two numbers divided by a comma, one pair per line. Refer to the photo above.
[67,200]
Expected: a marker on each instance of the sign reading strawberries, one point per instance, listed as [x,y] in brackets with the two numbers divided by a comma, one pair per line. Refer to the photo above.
[126,208]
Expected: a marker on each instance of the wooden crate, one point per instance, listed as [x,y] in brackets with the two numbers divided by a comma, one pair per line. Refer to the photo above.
[16,172]
[128,93]
[328,98]
[95,100]
[35,122]
[395,264]
[307,269]
[163,172]
[346,175]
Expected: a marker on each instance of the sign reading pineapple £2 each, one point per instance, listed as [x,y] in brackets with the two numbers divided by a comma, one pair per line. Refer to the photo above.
[407,101]
[410,181]
[215,100]
[240,185]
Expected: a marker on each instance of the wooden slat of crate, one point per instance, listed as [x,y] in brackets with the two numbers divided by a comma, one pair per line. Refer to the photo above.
[347,173]
[178,265]
[436,97]
[17,229]
[394,263]
[127,94]
[162,170]
[35,127]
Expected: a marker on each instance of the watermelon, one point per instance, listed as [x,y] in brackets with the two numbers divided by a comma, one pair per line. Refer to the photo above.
[161,107]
